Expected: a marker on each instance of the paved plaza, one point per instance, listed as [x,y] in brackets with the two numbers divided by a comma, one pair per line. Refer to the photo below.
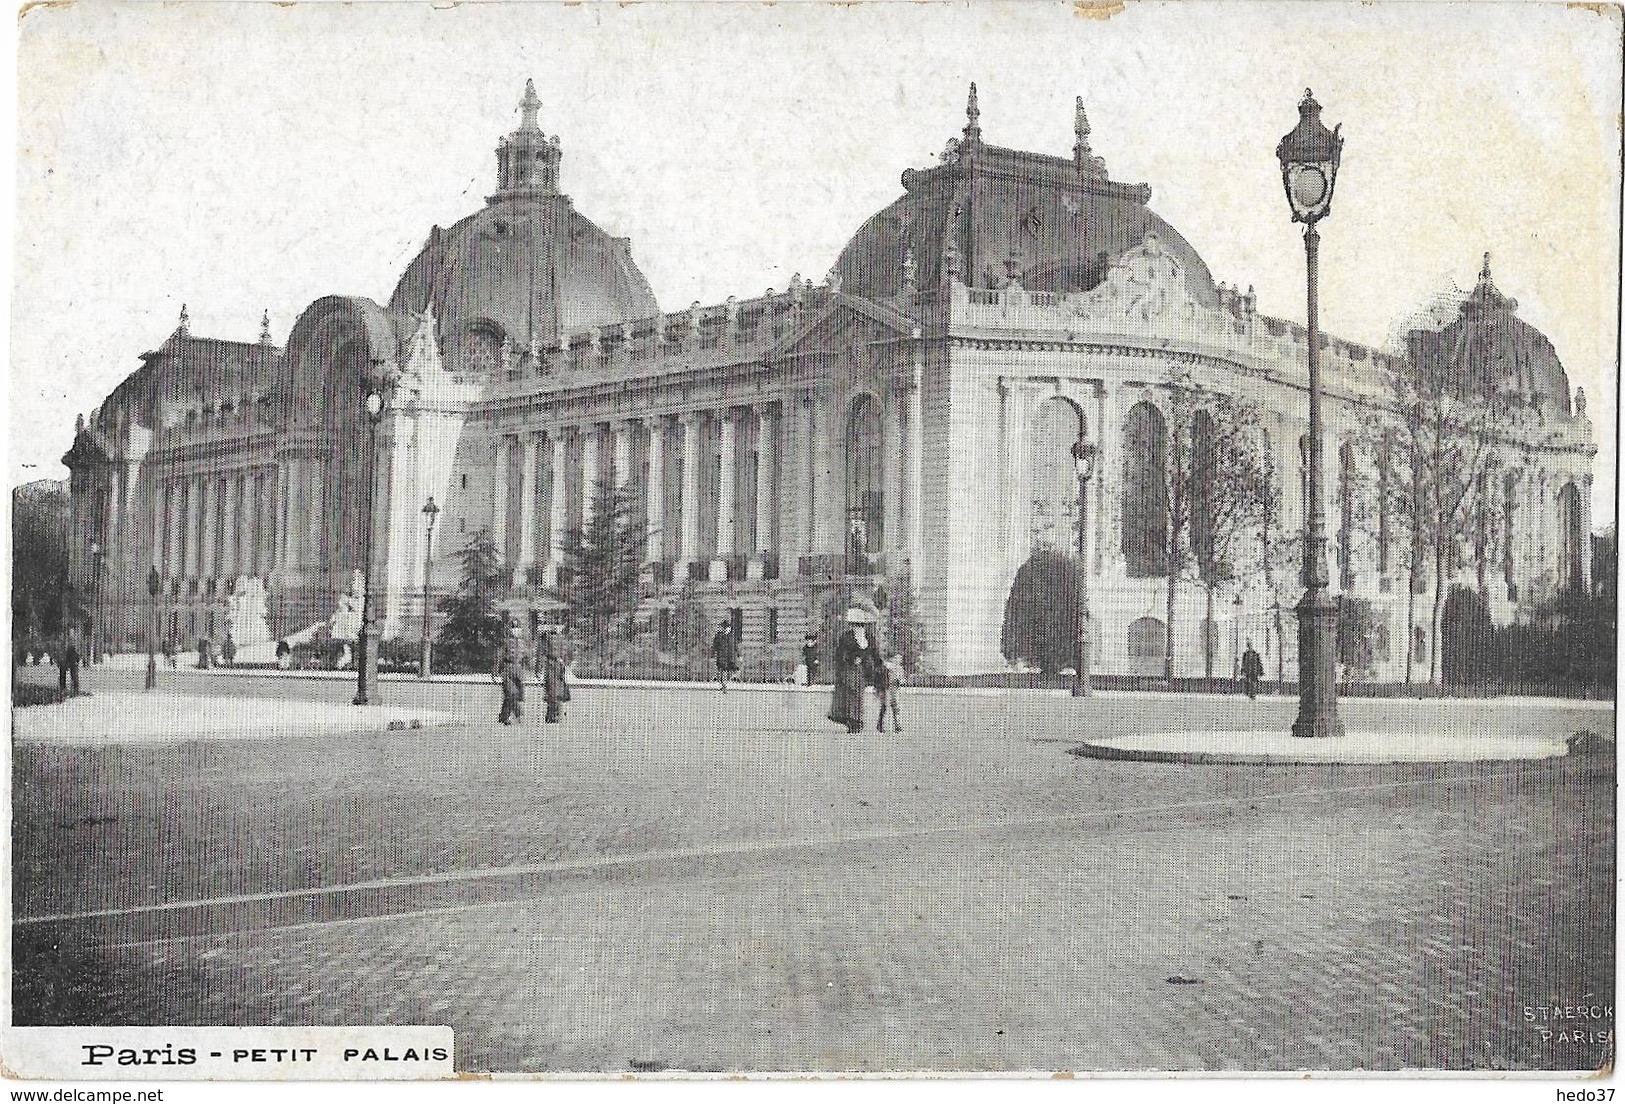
[677,879]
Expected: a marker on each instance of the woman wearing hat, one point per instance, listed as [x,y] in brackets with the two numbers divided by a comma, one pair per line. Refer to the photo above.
[855,651]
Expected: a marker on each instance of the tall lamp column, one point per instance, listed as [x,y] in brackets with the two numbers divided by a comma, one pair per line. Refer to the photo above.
[426,652]
[1084,454]
[1309,156]
[93,644]
[366,666]
[154,584]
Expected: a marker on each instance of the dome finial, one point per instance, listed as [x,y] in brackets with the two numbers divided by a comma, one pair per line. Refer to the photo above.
[185,327]
[973,116]
[1080,128]
[1484,273]
[529,107]
[265,327]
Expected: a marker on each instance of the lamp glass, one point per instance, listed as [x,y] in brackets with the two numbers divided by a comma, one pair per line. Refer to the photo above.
[375,404]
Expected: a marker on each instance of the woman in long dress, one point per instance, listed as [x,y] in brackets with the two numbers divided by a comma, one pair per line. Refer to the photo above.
[854,670]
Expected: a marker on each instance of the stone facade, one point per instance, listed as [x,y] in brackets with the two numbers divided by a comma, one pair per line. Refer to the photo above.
[913,412]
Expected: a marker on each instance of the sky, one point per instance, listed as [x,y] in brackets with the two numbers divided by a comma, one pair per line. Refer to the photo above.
[240,157]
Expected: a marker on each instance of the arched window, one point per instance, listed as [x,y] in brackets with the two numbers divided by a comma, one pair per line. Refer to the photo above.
[1570,534]
[1345,520]
[1147,639]
[865,497]
[1201,491]
[1054,475]
[1145,492]
[482,348]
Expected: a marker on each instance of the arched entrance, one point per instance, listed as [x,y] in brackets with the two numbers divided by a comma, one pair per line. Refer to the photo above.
[1465,633]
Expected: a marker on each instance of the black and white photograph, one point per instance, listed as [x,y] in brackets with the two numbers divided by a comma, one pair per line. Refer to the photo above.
[896,540]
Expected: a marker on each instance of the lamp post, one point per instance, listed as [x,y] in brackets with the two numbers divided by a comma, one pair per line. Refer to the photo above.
[1235,641]
[425,654]
[366,667]
[154,584]
[1084,454]
[1309,156]
[92,649]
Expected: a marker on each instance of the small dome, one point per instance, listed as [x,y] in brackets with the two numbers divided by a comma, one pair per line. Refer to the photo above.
[528,267]
[1487,351]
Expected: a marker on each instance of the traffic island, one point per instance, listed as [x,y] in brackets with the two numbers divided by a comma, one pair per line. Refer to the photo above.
[124,718]
[1256,746]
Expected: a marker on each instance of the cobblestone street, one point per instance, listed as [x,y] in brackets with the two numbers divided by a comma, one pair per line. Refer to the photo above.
[677,879]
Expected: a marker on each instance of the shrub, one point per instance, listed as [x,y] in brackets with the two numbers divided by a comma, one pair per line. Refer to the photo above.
[1041,614]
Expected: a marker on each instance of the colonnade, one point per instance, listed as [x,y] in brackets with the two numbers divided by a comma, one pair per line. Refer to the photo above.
[216,525]
[559,469]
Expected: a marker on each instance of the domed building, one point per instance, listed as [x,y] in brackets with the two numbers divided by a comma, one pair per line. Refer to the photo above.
[902,430]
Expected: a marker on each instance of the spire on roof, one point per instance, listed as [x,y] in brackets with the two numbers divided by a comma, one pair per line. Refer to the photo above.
[185,328]
[973,116]
[529,107]
[1485,293]
[1080,128]
[265,327]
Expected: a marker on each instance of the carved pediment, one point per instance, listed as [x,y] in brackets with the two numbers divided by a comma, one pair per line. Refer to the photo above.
[1143,287]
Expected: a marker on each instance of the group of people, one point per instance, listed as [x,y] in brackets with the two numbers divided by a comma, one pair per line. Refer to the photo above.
[860,662]
[509,673]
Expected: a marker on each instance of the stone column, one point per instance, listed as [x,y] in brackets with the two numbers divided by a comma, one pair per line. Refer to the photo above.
[589,471]
[208,549]
[690,499]
[499,498]
[655,496]
[231,525]
[825,510]
[766,498]
[1584,485]
[160,507]
[313,536]
[891,472]
[727,469]
[916,513]
[622,431]
[284,485]
[1097,491]
[557,505]
[790,487]
[527,504]
[175,523]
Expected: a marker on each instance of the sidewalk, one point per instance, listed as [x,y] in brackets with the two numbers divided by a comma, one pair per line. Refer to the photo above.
[1589,705]
[134,718]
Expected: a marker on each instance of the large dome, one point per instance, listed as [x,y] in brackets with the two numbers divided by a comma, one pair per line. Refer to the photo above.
[527,268]
[1053,223]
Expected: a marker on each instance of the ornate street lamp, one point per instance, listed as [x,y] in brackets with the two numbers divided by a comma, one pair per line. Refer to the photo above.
[1084,454]
[430,511]
[366,667]
[93,643]
[154,584]
[1309,156]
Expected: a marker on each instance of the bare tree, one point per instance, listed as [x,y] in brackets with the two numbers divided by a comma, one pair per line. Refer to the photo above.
[1220,496]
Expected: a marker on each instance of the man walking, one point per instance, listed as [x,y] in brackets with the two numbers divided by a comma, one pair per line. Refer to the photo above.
[725,649]
[68,665]
[509,671]
[1252,669]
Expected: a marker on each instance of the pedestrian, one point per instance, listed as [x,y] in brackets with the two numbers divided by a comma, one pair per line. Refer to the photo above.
[891,677]
[509,672]
[725,650]
[1252,669]
[854,670]
[809,656]
[68,666]
[555,683]
[284,655]
[205,652]
[228,651]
